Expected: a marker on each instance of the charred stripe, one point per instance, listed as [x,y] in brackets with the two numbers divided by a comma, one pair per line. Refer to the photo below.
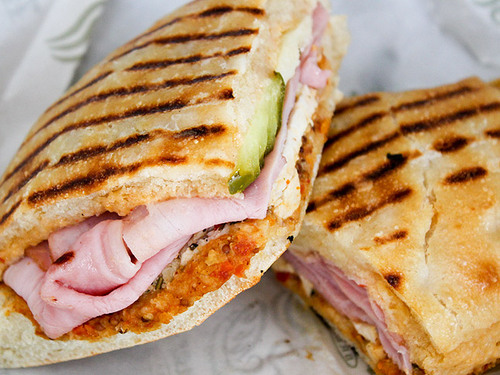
[27,179]
[394,162]
[461,115]
[195,132]
[9,213]
[216,11]
[367,100]
[160,64]
[366,149]
[225,94]
[185,38]
[29,158]
[397,235]
[359,213]
[450,144]
[493,133]
[86,86]
[139,89]
[93,180]
[370,119]
[200,131]
[338,193]
[435,98]
[99,150]
[466,175]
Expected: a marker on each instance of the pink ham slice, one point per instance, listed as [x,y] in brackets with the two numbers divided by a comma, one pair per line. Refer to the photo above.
[104,264]
[59,242]
[58,317]
[350,299]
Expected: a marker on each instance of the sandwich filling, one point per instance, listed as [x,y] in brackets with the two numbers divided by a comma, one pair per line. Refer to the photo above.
[349,298]
[106,263]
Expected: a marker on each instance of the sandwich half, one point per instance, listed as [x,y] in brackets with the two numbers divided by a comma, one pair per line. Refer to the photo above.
[400,246]
[167,180]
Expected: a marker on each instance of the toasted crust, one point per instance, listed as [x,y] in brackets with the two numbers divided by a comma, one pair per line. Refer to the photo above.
[161,117]
[407,202]
[22,347]
[21,343]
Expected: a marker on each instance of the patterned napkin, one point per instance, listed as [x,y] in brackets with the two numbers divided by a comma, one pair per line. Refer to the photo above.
[475,23]
[265,330]
[49,36]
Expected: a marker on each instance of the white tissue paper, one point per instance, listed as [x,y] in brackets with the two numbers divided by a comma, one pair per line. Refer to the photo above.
[395,45]
[475,23]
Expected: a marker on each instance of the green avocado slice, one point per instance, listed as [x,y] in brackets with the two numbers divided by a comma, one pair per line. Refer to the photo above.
[260,138]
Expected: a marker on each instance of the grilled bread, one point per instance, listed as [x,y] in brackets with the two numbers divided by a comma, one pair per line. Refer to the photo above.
[406,205]
[163,117]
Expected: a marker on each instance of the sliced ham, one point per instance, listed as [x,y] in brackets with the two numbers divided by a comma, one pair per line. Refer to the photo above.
[57,317]
[105,263]
[96,263]
[310,73]
[59,242]
[350,299]
[160,224]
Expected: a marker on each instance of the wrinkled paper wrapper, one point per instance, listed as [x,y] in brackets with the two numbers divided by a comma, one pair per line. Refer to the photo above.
[396,45]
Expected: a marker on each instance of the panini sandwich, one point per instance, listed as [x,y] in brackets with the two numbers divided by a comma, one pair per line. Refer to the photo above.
[167,180]
[400,246]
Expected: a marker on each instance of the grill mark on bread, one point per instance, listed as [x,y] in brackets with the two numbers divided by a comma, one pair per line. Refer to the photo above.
[224,94]
[435,98]
[193,133]
[200,131]
[217,11]
[212,12]
[358,213]
[493,133]
[415,127]
[364,122]
[219,163]
[338,193]
[461,115]
[397,235]
[24,181]
[29,158]
[394,162]
[367,100]
[160,64]
[9,213]
[363,150]
[450,144]
[465,175]
[130,91]
[186,38]
[95,179]
[86,86]
[89,152]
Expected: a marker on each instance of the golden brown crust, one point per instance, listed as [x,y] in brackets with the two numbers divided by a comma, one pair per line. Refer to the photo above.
[409,188]
[124,171]
[161,117]
[258,243]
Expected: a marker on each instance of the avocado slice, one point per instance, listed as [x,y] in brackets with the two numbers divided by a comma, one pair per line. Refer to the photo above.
[260,138]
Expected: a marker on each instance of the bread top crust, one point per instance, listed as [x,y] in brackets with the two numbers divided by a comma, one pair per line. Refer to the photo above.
[163,116]
[407,196]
